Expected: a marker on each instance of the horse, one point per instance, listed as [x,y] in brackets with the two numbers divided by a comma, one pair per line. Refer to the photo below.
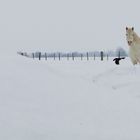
[133,41]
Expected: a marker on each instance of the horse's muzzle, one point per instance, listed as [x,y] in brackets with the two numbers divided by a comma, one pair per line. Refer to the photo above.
[129,42]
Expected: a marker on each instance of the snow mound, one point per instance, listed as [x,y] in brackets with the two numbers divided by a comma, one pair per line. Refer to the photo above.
[53,100]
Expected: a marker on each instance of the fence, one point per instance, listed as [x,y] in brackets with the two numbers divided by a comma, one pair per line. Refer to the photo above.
[71,56]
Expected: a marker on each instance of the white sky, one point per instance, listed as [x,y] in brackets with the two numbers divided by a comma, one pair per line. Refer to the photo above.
[66,25]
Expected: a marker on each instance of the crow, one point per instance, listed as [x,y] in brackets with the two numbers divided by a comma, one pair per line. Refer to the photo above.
[117,60]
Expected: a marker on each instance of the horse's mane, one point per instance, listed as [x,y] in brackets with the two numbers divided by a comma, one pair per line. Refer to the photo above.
[136,37]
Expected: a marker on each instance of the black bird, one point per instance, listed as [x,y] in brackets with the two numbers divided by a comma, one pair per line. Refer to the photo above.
[117,60]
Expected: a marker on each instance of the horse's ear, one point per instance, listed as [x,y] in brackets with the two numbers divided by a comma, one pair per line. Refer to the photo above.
[126,28]
[132,28]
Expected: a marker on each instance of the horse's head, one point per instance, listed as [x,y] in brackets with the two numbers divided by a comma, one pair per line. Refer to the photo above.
[130,35]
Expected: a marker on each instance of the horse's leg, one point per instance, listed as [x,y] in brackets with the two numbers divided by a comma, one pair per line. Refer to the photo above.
[134,62]
[138,60]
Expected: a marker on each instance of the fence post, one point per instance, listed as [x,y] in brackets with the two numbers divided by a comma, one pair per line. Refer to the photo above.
[107,56]
[94,56]
[81,56]
[72,56]
[33,55]
[102,55]
[39,56]
[68,56]
[54,56]
[119,54]
[59,56]
[45,56]
[87,56]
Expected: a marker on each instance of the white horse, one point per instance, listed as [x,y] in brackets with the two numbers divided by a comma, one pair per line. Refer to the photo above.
[133,41]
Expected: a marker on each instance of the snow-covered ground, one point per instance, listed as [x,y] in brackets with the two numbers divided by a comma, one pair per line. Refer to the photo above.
[69,100]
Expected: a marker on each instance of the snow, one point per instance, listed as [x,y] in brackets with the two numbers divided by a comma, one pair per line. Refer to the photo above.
[69,100]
